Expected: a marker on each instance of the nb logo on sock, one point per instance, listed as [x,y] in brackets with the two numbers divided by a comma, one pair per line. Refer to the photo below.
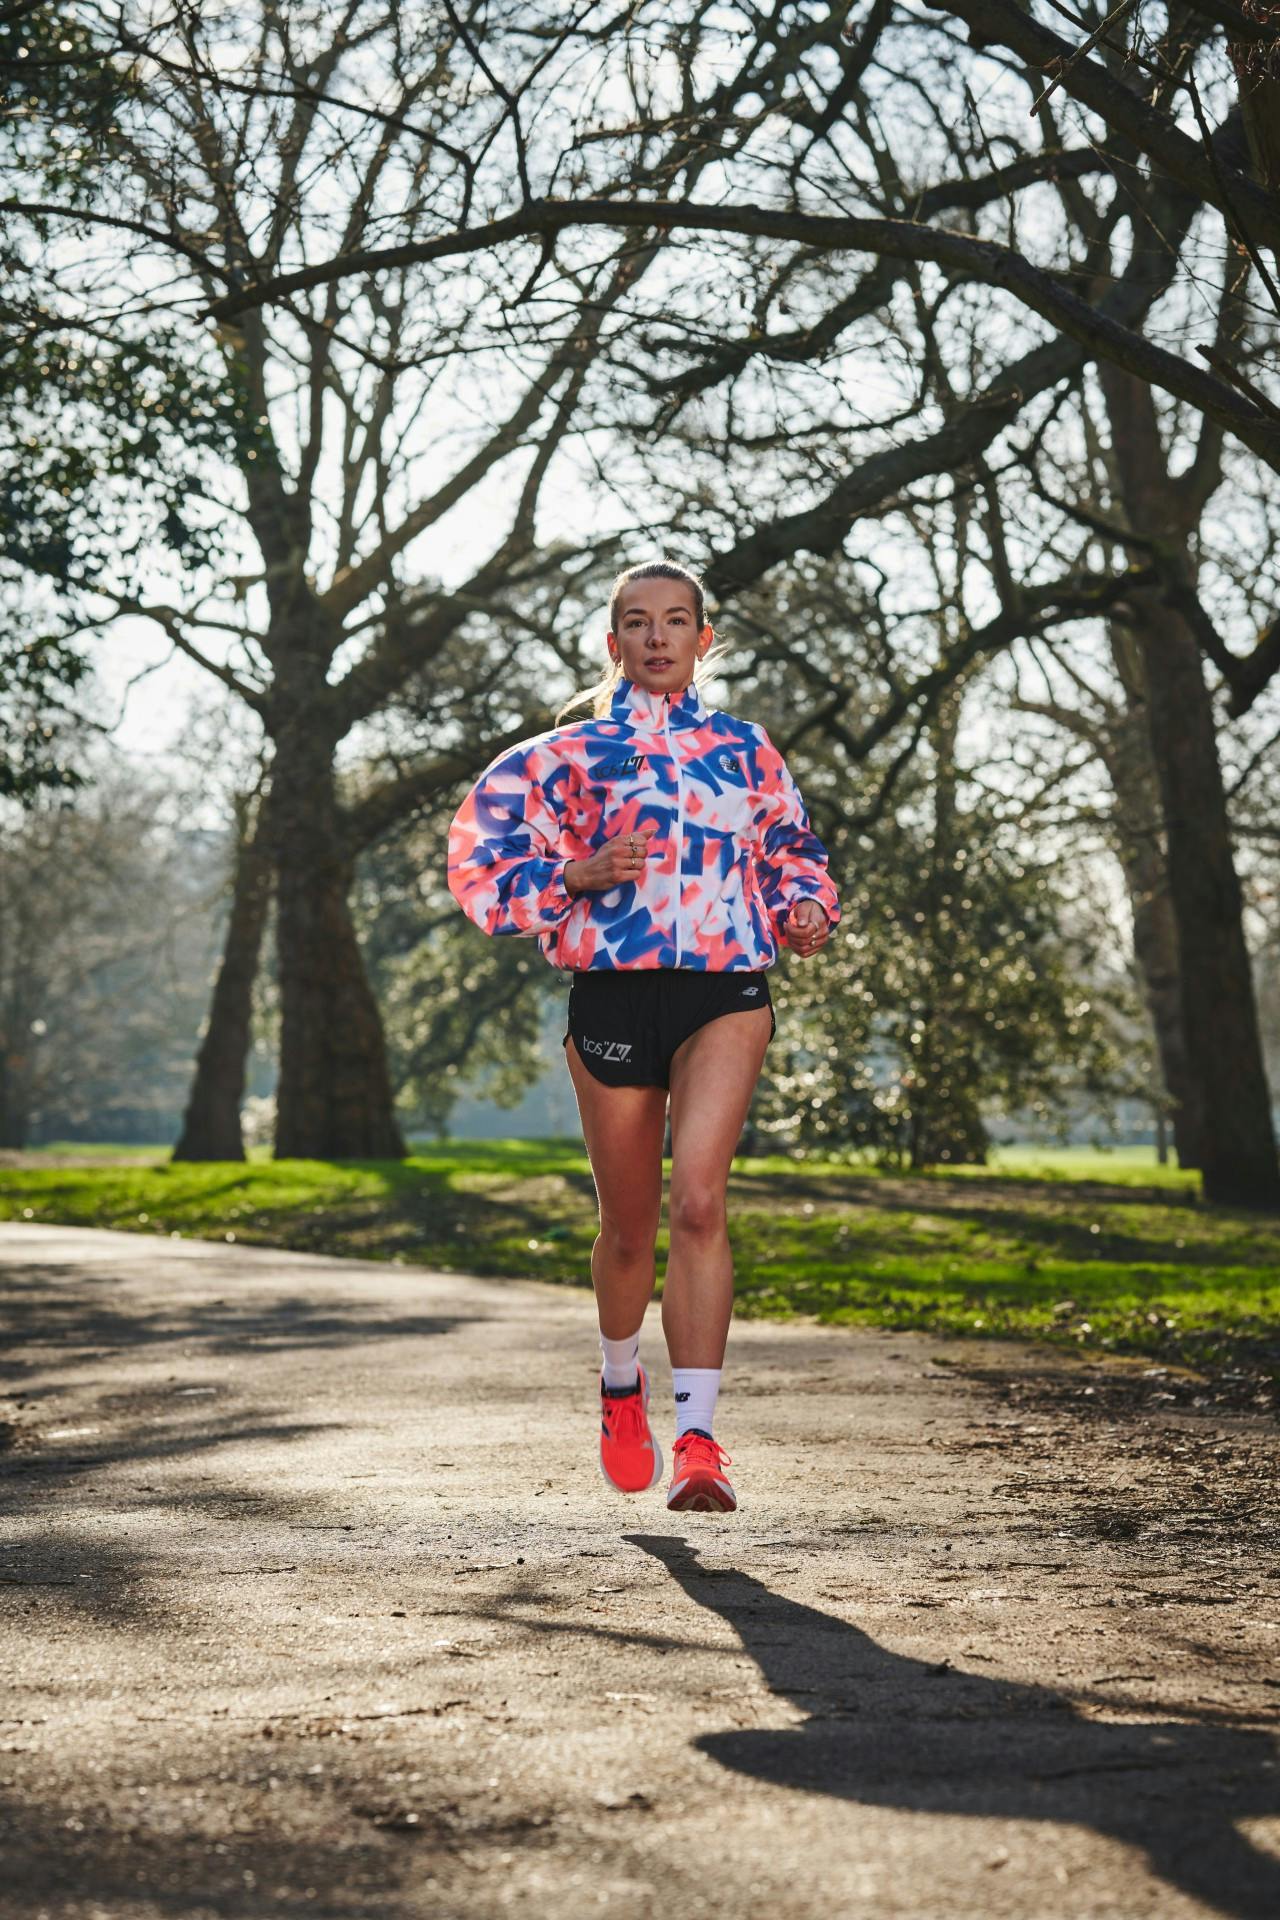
[681,1398]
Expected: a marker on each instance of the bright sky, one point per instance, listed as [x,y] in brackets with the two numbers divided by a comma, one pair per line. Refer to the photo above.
[150,687]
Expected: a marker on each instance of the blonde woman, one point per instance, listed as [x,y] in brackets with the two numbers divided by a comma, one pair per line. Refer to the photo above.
[660,853]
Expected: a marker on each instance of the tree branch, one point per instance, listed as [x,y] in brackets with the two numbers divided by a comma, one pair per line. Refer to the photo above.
[170,621]
[1237,198]
[86,215]
[1051,295]
[367,819]
[1081,596]
[1247,675]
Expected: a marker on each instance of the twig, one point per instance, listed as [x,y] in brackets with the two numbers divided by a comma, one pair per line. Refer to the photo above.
[1225,369]
[1066,66]
[1228,209]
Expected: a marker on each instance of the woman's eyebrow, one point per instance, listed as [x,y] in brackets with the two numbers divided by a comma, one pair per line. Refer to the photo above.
[680,606]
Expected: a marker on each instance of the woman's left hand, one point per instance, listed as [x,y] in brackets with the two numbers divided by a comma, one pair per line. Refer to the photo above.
[807,928]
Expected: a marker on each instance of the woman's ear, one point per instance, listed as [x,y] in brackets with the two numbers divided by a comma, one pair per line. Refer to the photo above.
[705,639]
[615,651]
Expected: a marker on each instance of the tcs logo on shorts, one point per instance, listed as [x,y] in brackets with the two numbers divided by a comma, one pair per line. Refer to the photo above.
[607,1049]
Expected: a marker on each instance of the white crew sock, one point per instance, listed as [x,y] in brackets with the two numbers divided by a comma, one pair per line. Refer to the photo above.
[621,1360]
[695,1389]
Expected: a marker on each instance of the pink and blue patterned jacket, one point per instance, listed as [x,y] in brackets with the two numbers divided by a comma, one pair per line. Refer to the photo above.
[732,850]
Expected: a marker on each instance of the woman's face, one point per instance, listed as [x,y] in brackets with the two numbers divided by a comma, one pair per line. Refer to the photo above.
[657,637]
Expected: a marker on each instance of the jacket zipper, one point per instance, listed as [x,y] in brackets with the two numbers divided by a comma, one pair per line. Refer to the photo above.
[679,875]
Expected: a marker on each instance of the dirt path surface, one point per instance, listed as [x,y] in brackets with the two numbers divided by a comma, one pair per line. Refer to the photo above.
[314,1603]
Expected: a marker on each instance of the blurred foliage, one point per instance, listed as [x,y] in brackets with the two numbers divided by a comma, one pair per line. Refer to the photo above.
[102,427]
[107,939]
[38,676]
[948,992]
[954,986]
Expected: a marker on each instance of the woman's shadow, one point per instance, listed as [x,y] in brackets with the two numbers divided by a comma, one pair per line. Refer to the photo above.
[894,1732]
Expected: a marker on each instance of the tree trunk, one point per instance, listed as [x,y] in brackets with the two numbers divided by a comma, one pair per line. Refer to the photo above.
[211,1125]
[1155,945]
[334,1099]
[947,1128]
[1139,842]
[19,1039]
[1223,1046]
[1219,1013]
[13,1114]
[946,1124]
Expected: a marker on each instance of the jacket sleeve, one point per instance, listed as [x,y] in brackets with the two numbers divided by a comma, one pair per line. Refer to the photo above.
[790,859]
[505,870]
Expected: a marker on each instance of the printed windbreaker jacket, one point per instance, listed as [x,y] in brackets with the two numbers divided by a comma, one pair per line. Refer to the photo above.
[732,850]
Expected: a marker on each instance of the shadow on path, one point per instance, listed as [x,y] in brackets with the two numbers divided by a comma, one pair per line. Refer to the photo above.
[64,1309]
[889,1731]
[60,1321]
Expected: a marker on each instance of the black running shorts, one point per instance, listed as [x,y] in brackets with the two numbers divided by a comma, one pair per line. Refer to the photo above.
[627,1023]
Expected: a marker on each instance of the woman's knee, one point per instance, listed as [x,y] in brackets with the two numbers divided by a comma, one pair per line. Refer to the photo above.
[697,1211]
[628,1238]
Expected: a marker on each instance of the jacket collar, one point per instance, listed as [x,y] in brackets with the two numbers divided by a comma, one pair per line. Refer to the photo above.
[640,708]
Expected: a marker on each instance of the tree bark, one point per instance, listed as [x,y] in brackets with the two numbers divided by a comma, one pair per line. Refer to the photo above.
[211,1125]
[13,1115]
[334,1098]
[18,1037]
[947,1128]
[1155,945]
[1219,1013]
[1237,1147]
[946,1124]
[1140,847]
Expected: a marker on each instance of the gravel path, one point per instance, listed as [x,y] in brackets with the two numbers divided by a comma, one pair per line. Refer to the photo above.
[314,1602]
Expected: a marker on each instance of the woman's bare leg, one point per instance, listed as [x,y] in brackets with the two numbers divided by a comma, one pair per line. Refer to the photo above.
[623,1128]
[713,1076]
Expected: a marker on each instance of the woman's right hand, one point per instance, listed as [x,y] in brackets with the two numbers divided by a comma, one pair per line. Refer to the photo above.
[618,862]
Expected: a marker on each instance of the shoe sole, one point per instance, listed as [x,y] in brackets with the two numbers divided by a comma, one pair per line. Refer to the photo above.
[702,1497]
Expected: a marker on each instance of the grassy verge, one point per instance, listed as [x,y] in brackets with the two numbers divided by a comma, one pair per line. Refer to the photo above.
[1094,1250]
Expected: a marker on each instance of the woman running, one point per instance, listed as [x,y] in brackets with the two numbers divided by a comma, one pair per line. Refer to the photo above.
[661,853]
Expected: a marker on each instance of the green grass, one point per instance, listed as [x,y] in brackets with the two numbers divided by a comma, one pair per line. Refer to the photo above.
[1117,1166]
[1094,1249]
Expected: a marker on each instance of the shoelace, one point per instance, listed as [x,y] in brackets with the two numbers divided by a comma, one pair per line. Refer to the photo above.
[628,1417]
[695,1450]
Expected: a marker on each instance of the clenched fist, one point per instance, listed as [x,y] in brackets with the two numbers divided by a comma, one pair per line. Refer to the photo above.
[619,860]
[807,928]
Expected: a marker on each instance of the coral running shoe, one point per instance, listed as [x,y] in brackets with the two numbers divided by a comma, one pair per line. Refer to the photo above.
[630,1457]
[699,1483]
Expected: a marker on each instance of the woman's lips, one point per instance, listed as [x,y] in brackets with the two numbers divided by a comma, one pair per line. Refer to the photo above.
[657,666]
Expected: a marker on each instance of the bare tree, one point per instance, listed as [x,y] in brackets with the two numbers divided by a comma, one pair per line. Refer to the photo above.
[762,275]
[211,1127]
[351,453]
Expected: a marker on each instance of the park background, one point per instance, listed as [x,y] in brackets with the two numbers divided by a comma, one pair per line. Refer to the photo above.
[350,355]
